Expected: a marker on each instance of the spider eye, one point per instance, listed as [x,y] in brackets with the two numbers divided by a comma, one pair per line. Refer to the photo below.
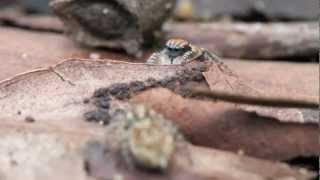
[175,49]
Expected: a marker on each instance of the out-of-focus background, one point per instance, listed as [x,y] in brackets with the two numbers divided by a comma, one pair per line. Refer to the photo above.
[251,10]
[29,6]
[247,10]
[245,29]
[58,85]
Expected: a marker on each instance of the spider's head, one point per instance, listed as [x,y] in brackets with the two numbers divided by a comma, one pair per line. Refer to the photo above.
[177,47]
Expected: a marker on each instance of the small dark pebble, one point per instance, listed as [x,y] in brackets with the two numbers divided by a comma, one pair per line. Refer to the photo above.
[101,92]
[86,101]
[123,91]
[119,91]
[137,86]
[100,116]
[164,82]
[184,91]
[169,83]
[13,162]
[103,102]
[122,95]
[151,82]
[116,88]
[190,75]
[29,119]
[172,85]
[19,112]
[182,80]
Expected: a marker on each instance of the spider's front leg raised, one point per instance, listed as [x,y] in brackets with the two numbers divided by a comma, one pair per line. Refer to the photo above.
[154,58]
[211,56]
[187,57]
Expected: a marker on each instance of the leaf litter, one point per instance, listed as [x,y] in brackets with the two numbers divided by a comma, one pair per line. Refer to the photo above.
[62,94]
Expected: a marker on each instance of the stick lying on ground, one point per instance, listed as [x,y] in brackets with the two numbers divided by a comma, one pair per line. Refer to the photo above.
[255,100]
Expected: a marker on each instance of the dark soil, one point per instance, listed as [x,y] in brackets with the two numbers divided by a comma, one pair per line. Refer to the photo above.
[124,91]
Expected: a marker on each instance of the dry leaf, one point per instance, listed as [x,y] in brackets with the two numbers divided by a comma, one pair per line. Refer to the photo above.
[42,122]
[60,91]
[224,126]
[26,50]
[270,80]
[190,162]
[48,147]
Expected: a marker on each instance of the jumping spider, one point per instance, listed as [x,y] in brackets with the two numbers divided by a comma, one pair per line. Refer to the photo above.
[144,138]
[180,51]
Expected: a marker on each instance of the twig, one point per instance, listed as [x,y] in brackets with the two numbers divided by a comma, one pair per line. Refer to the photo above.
[254,100]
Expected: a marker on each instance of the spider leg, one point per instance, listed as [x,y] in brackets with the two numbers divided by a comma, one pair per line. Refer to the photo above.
[153,58]
[187,56]
[211,56]
[222,66]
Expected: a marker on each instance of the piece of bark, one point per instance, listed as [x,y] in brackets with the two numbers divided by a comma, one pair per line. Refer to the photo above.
[225,126]
[296,41]
[119,24]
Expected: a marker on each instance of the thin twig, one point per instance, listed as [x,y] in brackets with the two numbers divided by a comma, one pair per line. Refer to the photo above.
[254,100]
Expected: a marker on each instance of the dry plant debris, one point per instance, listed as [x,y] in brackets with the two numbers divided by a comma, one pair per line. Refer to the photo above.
[61,90]
[225,126]
[63,99]
[280,85]
[114,156]
[56,97]
[26,50]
